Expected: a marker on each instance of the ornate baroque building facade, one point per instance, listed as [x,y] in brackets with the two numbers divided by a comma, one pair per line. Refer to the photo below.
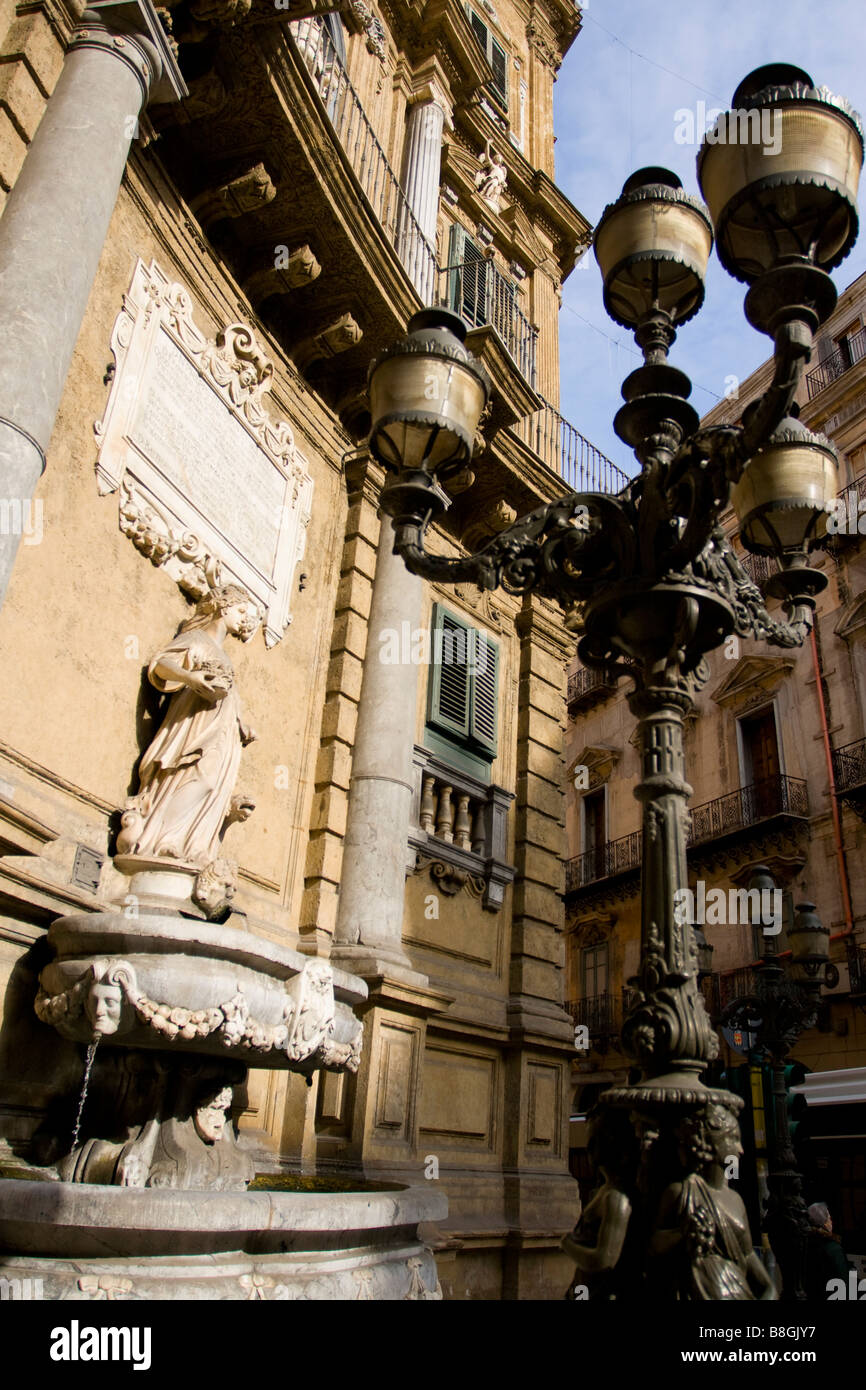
[776,754]
[215,215]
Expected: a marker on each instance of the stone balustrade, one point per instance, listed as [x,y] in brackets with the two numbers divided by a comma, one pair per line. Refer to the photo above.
[460,822]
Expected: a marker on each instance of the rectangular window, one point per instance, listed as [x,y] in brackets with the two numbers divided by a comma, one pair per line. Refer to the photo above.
[462,693]
[496,57]
[467,278]
[762,765]
[594,964]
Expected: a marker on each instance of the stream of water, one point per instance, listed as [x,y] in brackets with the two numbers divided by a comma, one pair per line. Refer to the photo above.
[91,1053]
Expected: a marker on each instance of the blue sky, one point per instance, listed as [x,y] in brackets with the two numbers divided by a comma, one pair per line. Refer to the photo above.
[615,112]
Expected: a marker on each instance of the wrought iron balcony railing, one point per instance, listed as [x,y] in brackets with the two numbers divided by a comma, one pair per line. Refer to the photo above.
[725,815]
[849,766]
[564,449]
[481,295]
[837,364]
[586,686]
[615,857]
[758,567]
[748,806]
[366,156]
[476,289]
[856,965]
[721,988]
[852,498]
[601,1014]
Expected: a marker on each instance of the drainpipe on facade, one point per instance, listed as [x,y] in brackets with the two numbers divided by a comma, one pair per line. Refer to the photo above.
[834,803]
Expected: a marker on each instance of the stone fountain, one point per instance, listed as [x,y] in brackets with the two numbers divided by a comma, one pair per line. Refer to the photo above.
[171,999]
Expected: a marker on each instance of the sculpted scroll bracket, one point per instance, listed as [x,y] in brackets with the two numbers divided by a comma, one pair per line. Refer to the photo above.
[209,481]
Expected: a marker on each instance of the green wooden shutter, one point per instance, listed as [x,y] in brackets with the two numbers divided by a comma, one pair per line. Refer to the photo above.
[463,688]
[457,238]
[495,55]
[480,29]
[482,711]
[499,63]
[467,289]
[449,690]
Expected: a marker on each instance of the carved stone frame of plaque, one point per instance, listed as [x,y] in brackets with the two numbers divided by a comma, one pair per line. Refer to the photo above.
[212,489]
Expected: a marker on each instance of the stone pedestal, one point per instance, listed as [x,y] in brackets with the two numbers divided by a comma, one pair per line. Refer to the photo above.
[55,223]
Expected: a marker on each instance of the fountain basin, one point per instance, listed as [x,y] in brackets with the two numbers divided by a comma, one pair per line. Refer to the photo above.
[88,1241]
[161,978]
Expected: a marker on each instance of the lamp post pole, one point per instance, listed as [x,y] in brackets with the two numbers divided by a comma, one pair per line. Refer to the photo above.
[658,587]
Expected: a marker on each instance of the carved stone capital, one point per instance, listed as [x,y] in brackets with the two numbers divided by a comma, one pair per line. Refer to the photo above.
[428,89]
[131,31]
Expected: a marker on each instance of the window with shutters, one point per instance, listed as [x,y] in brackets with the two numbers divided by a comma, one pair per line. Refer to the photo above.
[462,693]
[467,278]
[495,55]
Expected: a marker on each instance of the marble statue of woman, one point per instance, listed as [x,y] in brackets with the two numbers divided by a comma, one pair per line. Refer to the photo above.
[187,775]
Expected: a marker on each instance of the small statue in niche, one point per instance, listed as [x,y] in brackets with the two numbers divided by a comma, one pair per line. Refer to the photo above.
[597,1241]
[703,1240]
[186,797]
[491,177]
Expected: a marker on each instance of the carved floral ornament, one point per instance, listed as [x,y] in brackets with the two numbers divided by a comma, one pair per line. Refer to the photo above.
[211,487]
[106,1000]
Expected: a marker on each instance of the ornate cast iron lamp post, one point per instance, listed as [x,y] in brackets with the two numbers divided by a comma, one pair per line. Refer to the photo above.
[783,1006]
[659,586]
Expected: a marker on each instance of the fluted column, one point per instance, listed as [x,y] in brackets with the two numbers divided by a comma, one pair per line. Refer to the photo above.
[369,923]
[425,124]
[55,222]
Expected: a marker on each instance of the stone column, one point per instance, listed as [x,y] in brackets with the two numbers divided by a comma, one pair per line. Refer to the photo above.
[425,123]
[369,927]
[55,223]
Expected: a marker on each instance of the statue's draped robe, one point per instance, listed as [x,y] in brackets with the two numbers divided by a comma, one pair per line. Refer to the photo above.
[188,773]
[718,1271]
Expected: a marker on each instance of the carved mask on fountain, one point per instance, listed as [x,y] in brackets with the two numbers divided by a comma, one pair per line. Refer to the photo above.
[211,1116]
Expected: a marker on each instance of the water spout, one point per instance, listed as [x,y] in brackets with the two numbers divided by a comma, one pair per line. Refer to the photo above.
[91,1053]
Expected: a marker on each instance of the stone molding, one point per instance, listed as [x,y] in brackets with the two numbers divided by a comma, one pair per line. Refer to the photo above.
[753,676]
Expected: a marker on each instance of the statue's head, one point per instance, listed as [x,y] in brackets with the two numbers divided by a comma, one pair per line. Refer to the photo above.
[612,1144]
[105,998]
[240,613]
[710,1137]
[211,1115]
